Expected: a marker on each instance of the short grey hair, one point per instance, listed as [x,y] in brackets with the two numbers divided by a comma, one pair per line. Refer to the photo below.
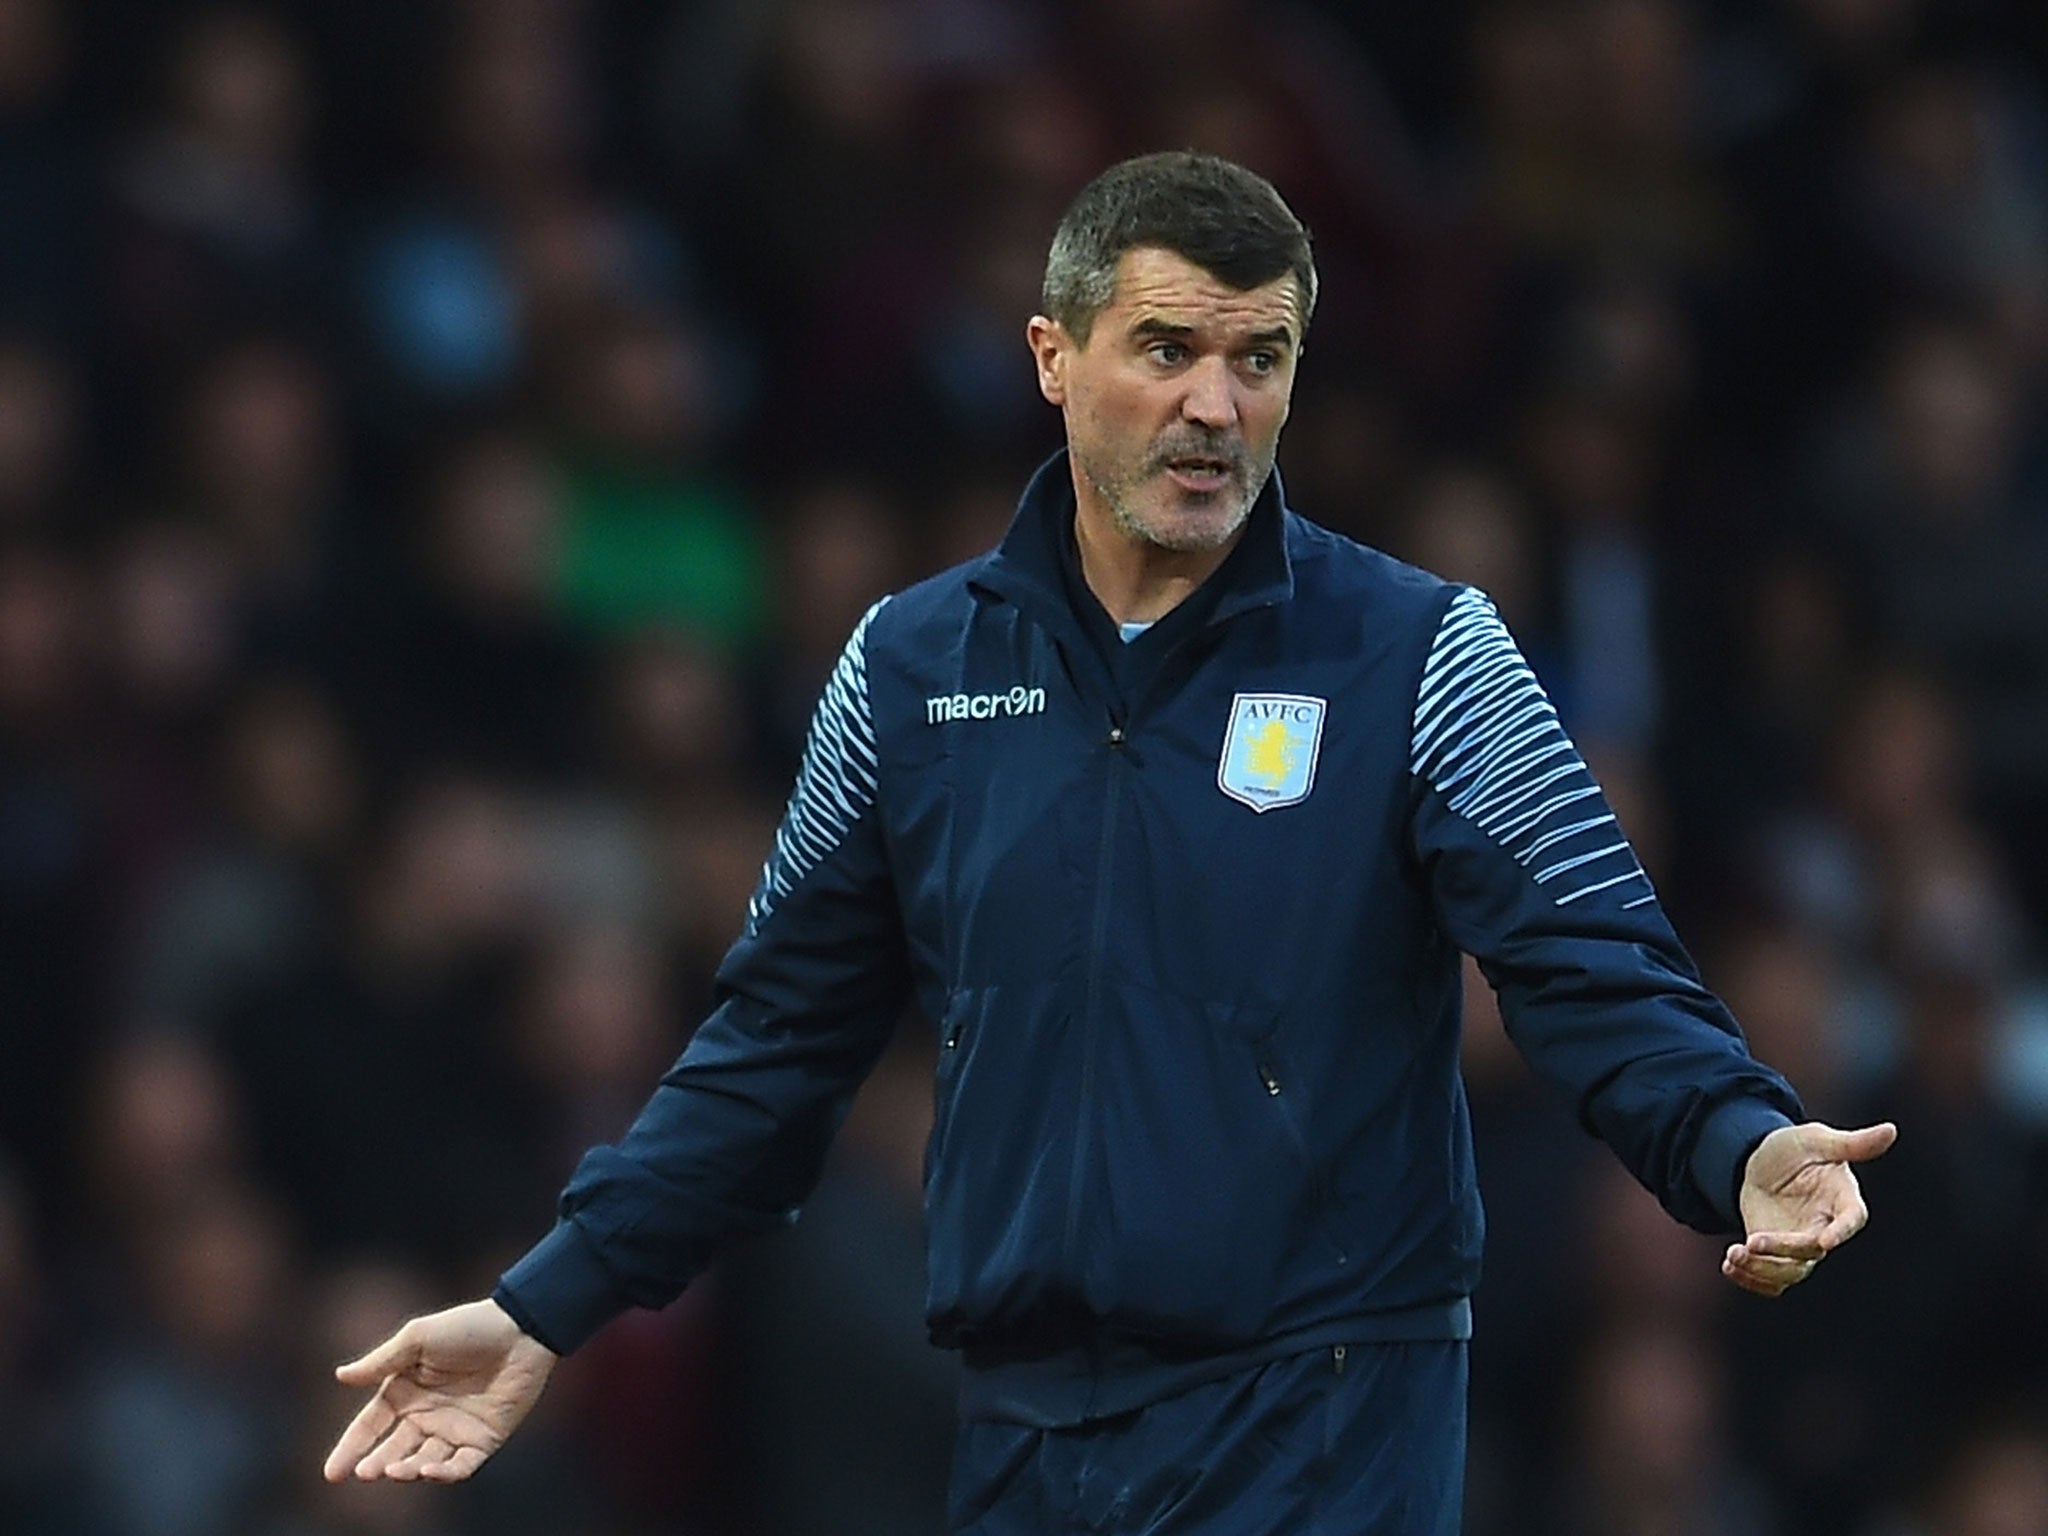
[1227,220]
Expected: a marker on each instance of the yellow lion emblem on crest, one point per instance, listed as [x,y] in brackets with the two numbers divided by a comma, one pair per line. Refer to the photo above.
[1271,753]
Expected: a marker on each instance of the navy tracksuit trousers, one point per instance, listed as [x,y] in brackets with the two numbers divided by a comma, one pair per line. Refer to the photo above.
[1368,1440]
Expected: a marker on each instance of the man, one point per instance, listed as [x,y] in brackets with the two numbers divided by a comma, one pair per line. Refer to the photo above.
[1174,813]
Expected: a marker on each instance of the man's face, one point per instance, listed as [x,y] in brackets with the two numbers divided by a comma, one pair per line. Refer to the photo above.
[1174,405]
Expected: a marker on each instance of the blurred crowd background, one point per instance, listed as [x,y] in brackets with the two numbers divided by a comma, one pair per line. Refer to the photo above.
[444,445]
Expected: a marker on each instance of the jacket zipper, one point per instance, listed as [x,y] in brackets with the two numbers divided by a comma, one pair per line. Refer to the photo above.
[1105,863]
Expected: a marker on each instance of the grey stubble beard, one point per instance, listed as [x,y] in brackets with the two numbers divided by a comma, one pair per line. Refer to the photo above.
[1118,496]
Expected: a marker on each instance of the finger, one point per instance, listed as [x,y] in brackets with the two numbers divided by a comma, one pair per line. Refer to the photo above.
[1853,1146]
[467,1459]
[399,1444]
[395,1354]
[1777,1273]
[1771,1276]
[1738,1265]
[433,1451]
[1786,1245]
[1852,1217]
[1775,1263]
[364,1430]
[1748,1281]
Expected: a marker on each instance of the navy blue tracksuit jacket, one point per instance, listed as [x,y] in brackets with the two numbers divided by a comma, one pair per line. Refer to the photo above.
[1187,914]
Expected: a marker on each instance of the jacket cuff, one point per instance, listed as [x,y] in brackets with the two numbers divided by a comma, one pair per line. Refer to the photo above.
[1722,1153]
[560,1292]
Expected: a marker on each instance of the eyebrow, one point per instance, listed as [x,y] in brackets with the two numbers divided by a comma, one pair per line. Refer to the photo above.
[1150,326]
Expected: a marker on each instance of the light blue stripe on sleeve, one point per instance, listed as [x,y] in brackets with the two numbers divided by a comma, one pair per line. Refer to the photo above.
[835,784]
[1487,739]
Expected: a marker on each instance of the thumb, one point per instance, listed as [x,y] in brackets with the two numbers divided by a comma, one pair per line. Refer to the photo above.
[1858,1146]
[395,1354]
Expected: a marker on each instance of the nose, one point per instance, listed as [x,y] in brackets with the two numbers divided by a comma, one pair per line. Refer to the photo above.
[1211,398]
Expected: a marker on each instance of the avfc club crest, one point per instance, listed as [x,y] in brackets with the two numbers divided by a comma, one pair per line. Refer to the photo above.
[1269,752]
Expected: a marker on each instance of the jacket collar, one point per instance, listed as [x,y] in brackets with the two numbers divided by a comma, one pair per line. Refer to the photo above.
[1037,563]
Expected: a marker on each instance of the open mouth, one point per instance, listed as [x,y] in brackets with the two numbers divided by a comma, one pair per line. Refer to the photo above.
[1200,472]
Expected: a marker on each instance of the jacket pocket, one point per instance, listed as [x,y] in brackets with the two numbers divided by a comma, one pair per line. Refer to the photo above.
[1275,1079]
[1001,1114]
[1209,1215]
[953,1047]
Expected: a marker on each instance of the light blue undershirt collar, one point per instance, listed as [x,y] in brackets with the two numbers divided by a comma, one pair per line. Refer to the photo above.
[1134,628]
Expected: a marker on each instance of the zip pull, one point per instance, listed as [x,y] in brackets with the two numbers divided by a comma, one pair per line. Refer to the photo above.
[1116,736]
[1272,1083]
[1337,1354]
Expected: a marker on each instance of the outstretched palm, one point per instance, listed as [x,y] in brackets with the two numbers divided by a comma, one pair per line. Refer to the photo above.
[451,1387]
[1800,1202]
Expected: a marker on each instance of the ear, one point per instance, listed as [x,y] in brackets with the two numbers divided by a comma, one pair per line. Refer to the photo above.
[1050,346]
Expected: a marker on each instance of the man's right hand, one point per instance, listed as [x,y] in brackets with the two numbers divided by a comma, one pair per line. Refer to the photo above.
[451,1388]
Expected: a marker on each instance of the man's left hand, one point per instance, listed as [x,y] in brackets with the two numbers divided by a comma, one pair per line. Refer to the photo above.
[1800,1202]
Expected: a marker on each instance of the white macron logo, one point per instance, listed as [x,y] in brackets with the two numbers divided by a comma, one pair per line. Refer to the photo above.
[983,706]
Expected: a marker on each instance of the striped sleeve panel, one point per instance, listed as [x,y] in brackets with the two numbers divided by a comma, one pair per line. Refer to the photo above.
[1487,739]
[834,785]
